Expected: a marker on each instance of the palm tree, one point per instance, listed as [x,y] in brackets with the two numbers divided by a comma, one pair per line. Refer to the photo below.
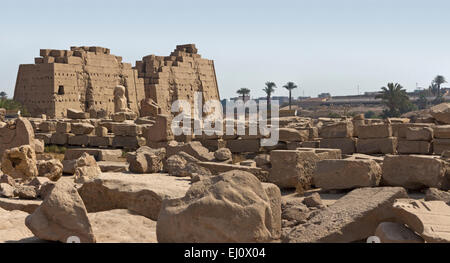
[290,86]
[3,95]
[396,100]
[244,92]
[439,80]
[269,89]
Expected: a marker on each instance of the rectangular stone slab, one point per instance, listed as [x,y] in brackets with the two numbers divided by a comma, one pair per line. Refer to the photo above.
[353,217]
[140,193]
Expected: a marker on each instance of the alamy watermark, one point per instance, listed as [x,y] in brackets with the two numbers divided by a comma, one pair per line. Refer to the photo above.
[208,118]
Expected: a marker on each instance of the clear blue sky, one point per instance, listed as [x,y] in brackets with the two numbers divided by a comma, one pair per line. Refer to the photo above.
[322,45]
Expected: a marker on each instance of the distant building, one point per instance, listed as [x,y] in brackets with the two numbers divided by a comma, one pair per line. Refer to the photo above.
[324,95]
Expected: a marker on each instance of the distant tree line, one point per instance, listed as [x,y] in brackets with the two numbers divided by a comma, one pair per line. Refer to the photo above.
[10,104]
[269,89]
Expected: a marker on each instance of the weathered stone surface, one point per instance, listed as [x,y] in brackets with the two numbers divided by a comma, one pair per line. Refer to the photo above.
[413,171]
[25,192]
[353,217]
[337,130]
[441,145]
[419,134]
[86,168]
[217,168]
[313,200]
[249,163]
[141,194]
[293,135]
[11,204]
[39,146]
[146,160]
[374,131]
[160,131]
[52,169]
[126,129]
[434,194]
[82,128]
[390,232]
[230,207]
[62,214]
[400,129]
[441,112]
[417,147]
[6,190]
[441,131]
[244,145]
[121,226]
[223,154]
[15,134]
[97,141]
[99,154]
[292,168]
[195,149]
[59,138]
[182,165]
[346,174]
[274,195]
[109,166]
[430,219]
[63,127]
[101,131]
[377,145]
[68,166]
[77,114]
[12,227]
[128,142]
[20,162]
[149,108]
[346,145]
[262,160]
[4,178]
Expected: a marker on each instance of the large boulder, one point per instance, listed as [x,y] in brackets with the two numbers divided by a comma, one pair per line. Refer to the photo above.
[293,135]
[414,171]
[346,174]
[20,162]
[374,131]
[441,112]
[292,168]
[14,134]
[337,130]
[146,160]
[86,168]
[82,128]
[141,194]
[230,207]
[61,215]
[183,164]
[427,218]
[195,149]
[353,217]
[223,154]
[161,131]
[52,169]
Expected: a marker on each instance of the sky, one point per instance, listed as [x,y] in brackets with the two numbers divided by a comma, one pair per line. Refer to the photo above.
[321,45]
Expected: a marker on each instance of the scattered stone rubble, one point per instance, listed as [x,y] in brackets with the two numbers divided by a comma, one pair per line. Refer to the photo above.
[125,177]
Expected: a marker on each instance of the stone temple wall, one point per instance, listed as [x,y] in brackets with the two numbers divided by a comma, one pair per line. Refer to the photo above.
[178,76]
[82,78]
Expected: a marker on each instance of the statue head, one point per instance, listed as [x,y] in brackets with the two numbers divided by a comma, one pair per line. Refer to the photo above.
[119,91]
